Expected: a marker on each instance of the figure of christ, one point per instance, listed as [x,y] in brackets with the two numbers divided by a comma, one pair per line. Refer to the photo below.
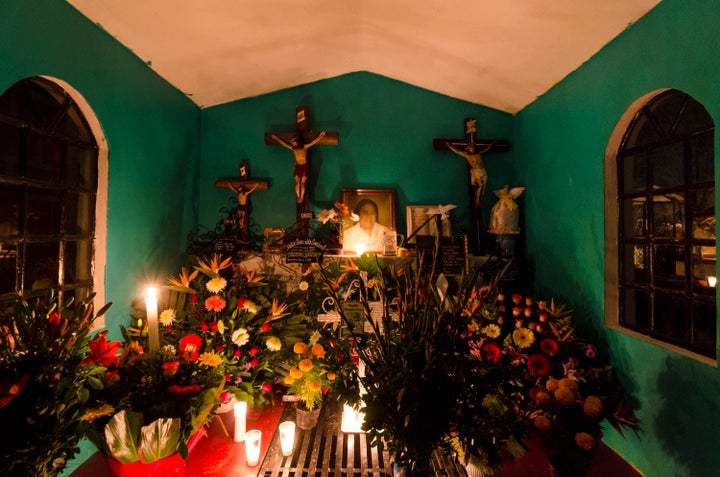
[242,198]
[478,174]
[302,168]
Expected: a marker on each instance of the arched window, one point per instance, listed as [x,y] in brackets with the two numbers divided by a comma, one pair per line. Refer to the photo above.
[48,187]
[665,272]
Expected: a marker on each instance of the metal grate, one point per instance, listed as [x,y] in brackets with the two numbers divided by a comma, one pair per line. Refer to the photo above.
[326,451]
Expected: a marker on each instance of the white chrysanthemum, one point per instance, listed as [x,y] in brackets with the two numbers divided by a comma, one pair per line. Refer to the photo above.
[303,286]
[168,351]
[240,336]
[492,330]
[314,337]
[273,343]
[250,307]
[167,317]
[216,285]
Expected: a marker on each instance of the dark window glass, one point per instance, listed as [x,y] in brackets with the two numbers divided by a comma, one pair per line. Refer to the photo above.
[667,250]
[48,186]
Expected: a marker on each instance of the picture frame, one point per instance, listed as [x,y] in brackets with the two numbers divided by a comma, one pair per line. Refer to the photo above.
[384,201]
[274,240]
[416,216]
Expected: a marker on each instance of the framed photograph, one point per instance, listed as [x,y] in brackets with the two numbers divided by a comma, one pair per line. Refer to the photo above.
[417,222]
[274,240]
[376,210]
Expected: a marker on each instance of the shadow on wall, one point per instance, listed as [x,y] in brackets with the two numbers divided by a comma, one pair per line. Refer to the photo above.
[689,417]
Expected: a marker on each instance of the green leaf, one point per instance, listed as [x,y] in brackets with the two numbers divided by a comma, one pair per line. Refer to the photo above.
[122,434]
[159,439]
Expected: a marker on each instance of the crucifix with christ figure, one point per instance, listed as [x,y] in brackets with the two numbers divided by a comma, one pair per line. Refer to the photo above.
[243,187]
[299,142]
[472,150]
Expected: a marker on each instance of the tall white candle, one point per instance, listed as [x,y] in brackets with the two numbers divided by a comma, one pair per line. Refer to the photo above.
[240,411]
[152,318]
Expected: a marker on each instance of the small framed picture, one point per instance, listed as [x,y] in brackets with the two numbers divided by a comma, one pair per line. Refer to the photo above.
[376,211]
[274,240]
[419,223]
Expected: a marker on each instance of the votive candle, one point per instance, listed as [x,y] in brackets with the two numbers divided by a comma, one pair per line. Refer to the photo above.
[240,411]
[287,437]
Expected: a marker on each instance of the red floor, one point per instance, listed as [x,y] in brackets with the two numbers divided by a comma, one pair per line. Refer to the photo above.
[218,455]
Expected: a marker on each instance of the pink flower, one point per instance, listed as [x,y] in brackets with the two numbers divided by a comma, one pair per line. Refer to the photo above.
[266,387]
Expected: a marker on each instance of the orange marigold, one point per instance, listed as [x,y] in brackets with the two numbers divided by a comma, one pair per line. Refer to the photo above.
[584,440]
[300,348]
[305,365]
[593,406]
[565,396]
[318,350]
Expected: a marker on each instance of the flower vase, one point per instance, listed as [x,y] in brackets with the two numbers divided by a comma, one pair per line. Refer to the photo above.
[170,466]
[305,419]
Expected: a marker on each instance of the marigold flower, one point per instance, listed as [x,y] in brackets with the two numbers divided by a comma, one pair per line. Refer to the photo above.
[551,385]
[288,380]
[299,348]
[584,440]
[273,343]
[303,285]
[305,365]
[167,317]
[318,350]
[295,373]
[211,360]
[542,423]
[523,337]
[564,396]
[216,285]
[215,303]
[330,376]
[593,406]
[314,386]
[569,383]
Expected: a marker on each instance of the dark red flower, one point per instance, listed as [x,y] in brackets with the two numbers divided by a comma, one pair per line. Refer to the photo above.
[190,346]
[549,346]
[214,326]
[492,352]
[193,298]
[539,365]
[204,326]
[266,327]
[266,387]
[170,368]
[253,351]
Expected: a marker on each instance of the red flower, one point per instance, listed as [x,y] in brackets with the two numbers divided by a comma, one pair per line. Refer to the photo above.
[241,302]
[254,362]
[236,354]
[193,298]
[215,303]
[219,348]
[175,389]
[266,387]
[214,325]
[203,326]
[102,352]
[265,327]
[170,368]
[10,390]
[112,376]
[549,346]
[539,365]
[492,352]
[190,345]
[253,351]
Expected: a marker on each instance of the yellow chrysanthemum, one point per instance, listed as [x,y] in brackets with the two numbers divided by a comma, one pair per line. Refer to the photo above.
[300,348]
[305,365]
[318,350]
[523,337]
[295,373]
[210,359]
[93,413]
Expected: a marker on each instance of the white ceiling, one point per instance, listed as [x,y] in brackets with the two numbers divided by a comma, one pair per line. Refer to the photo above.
[498,53]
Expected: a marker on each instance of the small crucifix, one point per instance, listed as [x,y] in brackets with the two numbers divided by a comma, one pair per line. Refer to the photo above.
[472,149]
[243,187]
[299,141]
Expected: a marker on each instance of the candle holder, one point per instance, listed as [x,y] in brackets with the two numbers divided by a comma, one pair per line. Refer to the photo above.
[287,437]
[252,447]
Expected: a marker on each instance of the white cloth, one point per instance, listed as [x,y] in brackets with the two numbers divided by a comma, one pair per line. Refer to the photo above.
[355,235]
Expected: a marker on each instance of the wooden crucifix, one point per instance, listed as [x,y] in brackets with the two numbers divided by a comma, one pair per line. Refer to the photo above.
[243,187]
[472,150]
[299,141]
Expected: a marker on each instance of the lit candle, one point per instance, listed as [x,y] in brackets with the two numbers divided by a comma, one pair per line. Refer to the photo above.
[240,411]
[360,249]
[712,281]
[152,319]
[287,437]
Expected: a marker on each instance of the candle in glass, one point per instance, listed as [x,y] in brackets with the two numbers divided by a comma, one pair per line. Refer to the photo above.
[240,411]
[152,319]
[287,437]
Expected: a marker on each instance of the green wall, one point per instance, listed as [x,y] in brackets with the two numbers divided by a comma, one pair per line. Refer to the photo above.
[560,145]
[151,129]
[386,129]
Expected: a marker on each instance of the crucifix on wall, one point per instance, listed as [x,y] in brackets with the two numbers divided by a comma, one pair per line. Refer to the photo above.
[243,187]
[471,149]
[299,142]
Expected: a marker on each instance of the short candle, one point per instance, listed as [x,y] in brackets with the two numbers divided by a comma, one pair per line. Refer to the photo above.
[287,437]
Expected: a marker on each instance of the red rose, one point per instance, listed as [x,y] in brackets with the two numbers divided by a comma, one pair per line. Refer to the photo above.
[214,326]
[265,327]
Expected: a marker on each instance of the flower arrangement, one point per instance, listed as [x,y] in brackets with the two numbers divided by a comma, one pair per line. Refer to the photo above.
[415,354]
[47,371]
[308,376]
[341,217]
[239,316]
[568,389]
[152,402]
